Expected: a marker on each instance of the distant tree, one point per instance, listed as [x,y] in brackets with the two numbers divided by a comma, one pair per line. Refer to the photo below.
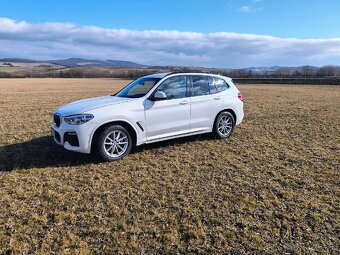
[308,71]
[327,71]
[5,75]
[282,72]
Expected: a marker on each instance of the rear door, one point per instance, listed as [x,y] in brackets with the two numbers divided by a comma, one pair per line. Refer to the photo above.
[205,102]
[169,117]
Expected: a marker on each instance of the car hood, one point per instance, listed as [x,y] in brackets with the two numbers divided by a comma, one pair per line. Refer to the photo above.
[85,105]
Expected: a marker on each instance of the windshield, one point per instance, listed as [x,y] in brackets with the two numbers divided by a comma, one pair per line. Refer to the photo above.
[138,88]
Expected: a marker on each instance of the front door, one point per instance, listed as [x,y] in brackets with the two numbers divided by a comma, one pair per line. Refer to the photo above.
[170,116]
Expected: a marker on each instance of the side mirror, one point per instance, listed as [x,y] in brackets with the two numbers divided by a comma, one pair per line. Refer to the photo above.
[159,95]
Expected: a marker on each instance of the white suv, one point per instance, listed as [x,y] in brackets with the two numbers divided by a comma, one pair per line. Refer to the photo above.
[150,109]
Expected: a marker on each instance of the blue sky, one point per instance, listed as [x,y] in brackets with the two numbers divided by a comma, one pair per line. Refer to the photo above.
[247,32]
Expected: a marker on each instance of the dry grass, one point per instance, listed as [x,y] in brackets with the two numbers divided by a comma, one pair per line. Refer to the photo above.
[272,188]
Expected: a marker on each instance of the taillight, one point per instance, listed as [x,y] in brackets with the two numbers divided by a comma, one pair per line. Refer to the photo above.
[239,95]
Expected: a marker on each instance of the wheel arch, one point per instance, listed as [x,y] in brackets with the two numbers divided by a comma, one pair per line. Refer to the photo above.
[122,123]
[230,110]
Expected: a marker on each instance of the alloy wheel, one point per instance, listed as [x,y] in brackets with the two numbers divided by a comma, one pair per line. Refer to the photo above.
[225,125]
[116,143]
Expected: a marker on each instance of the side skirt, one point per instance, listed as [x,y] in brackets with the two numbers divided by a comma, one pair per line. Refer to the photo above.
[178,136]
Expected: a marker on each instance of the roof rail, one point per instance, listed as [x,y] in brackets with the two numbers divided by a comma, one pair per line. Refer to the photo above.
[190,71]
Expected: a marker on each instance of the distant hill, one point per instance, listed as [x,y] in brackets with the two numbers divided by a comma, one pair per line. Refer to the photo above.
[26,63]
[94,68]
[81,62]
[18,60]
[73,62]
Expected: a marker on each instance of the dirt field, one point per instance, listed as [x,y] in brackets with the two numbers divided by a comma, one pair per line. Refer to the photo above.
[273,187]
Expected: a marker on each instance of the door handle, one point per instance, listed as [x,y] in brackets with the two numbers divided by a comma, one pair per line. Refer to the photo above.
[184,102]
[217,98]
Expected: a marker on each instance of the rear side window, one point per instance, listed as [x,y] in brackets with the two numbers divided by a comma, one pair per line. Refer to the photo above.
[220,84]
[213,89]
[201,85]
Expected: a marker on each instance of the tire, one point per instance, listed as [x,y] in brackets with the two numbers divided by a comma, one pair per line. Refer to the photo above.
[224,125]
[113,143]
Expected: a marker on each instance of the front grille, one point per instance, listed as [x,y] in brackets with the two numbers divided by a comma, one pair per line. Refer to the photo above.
[56,119]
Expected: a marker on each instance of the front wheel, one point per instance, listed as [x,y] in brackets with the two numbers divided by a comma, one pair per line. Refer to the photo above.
[113,143]
[224,125]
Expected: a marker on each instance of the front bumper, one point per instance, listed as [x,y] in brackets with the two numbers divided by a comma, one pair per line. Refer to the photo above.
[74,137]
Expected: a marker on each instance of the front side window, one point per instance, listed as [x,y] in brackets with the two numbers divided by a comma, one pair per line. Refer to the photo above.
[174,87]
[200,85]
[138,88]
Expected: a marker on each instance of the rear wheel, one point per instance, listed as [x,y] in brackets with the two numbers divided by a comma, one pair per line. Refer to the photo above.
[224,125]
[113,143]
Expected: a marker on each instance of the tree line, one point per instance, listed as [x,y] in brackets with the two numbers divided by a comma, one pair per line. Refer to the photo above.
[94,72]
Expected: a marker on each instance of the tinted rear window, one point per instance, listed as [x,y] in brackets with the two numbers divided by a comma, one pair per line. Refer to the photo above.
[200,85]
[213,89]
[220,84]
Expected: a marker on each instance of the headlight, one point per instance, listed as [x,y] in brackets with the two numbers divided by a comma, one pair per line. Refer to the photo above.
[78,119]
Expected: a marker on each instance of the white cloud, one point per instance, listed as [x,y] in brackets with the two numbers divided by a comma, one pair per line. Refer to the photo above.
[247,8]
[158,47]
